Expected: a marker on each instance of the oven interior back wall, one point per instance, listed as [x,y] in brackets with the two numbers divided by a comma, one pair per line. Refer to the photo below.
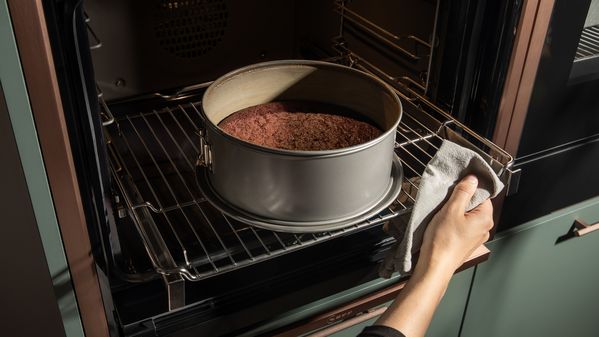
[151,46]
[155,46]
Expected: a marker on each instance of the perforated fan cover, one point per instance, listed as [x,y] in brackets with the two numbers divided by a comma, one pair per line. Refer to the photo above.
[190,28]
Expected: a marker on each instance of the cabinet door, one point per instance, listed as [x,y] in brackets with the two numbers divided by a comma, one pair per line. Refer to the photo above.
[539,282]
[447,319]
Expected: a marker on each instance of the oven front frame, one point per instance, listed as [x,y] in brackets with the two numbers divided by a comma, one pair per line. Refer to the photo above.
[40,72]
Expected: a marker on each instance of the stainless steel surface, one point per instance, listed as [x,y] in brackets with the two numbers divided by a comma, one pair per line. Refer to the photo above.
[183,92]
[155,246]
[97,43]
[300,227]
[107,117]
[315,188]
[175,287]
[205,157]
[588,45]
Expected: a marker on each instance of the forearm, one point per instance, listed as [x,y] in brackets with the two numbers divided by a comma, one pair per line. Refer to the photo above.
[450,237]
[415,305]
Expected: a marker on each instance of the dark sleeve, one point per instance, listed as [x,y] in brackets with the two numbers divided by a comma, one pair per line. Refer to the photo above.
[380,331]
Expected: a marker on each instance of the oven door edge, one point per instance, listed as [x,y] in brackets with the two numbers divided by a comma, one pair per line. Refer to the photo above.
[63,103]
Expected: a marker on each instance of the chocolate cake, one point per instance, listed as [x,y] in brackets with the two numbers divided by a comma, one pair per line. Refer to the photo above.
[300,125]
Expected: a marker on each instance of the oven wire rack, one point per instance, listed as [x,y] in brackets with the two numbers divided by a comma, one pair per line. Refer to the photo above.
[152,159]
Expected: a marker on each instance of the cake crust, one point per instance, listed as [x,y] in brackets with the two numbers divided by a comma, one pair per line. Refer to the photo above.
[300,126]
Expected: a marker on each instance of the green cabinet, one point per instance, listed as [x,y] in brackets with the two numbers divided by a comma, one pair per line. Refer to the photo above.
[448,316]
[447,319]
[539,281]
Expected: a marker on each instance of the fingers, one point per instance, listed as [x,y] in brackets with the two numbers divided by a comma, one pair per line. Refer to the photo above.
[486,207]
[462,193]
[482,214]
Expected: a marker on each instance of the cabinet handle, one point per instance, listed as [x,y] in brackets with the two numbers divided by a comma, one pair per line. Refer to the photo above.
[349,323]
[582,228]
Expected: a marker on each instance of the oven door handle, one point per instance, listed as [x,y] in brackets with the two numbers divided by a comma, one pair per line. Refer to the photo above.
[583,228]
[350,322]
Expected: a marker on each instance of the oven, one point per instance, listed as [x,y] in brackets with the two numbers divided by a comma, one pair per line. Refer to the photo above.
[119,122]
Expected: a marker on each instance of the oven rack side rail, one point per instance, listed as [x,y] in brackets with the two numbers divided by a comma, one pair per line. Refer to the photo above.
[446,126]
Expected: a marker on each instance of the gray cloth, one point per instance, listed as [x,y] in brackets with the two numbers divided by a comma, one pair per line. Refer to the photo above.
[450,164]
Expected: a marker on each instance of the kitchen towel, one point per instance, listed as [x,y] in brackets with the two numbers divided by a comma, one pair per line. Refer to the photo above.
[450,164]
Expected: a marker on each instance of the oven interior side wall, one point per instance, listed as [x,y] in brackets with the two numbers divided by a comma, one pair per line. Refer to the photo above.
[403,53]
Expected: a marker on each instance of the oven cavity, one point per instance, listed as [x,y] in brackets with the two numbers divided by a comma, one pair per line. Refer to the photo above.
[153,124]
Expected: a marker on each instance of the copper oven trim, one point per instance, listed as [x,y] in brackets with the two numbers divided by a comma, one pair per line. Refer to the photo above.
[38,67]
[514,73]
[529,74]
[526,54]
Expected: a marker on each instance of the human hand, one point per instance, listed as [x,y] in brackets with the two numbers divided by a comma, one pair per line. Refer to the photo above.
[453,234]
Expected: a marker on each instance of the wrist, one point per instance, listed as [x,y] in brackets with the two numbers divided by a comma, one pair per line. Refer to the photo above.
[431,274]
[439,266]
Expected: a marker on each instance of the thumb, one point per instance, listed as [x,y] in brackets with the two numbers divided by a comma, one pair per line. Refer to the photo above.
[462,193]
